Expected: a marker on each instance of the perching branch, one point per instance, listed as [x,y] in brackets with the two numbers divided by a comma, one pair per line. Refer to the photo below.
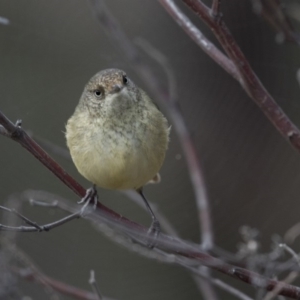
[164,243]
[191,265]
[16,133]
[180,247]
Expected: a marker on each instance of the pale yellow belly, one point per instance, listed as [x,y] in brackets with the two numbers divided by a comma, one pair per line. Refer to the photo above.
[120,166]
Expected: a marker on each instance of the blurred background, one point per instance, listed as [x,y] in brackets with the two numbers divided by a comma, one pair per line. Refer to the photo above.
[50,49]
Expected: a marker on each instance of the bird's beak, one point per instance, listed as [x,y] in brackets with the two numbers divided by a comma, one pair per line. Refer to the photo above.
[116,89]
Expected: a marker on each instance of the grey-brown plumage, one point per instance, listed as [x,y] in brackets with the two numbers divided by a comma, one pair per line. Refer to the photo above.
[117,137]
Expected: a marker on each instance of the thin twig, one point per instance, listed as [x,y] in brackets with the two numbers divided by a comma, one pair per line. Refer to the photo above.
[199,273]
[292,233]
[219,283]
[273,12]
[215,8]
[95,286]
[34,202]
[59,286]
[292,252]
[26,220]
[199,38]
[35,227]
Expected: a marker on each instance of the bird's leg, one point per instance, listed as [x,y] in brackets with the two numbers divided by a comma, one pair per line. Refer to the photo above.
[90,195]
[155,226]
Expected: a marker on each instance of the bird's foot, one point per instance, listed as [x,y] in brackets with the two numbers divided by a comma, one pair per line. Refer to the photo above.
[153,232]
[90,196]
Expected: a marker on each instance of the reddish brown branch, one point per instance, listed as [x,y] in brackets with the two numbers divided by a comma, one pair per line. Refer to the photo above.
[248,78]
[16,133]
[194,33]
[163,242]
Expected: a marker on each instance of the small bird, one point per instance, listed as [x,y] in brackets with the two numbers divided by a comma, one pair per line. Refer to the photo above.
[117,136]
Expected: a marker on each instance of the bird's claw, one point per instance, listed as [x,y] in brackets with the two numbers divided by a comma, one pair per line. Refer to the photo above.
[153,232]
[90,195]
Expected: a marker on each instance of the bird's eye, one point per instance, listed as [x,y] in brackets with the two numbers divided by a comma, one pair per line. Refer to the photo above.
[125,79]
[98,93]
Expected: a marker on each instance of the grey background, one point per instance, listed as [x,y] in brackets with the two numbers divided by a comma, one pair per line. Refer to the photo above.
[48,53]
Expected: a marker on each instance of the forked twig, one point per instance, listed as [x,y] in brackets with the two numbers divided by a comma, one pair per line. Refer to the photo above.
[247,78]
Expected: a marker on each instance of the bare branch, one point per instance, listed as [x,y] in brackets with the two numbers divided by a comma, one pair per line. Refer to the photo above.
[19,135]
[273,12]
[197,36]
[292,233]
[26,220]
[59,286]
[248,79]
[178,247]
[215,8]
[292,252]
[35,227]
[221,284]
[53,204]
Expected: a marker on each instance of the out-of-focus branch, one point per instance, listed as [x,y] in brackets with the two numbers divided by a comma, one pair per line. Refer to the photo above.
[188,260]
[34,226]
[31,273]
[248,79]
[58,286]
[272,11]
[95,286]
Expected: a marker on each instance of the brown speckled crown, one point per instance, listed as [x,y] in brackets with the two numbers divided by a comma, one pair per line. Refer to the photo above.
[107,79]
